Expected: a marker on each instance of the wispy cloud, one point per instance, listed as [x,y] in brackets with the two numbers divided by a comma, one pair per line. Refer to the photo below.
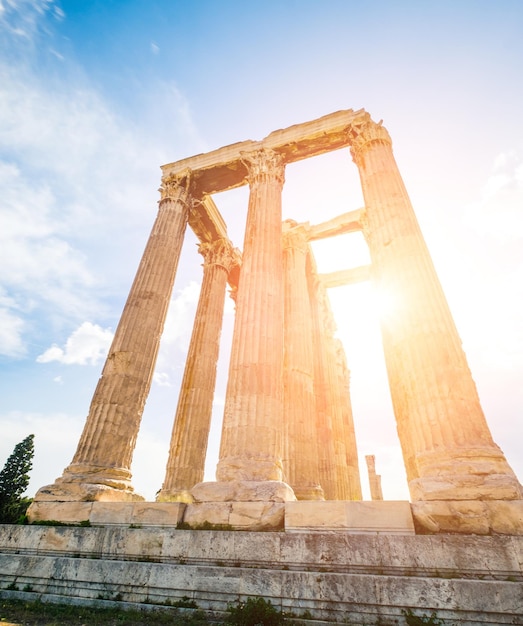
[11,330]
[499,212]
[22,18]
[496,219]
[180,316]
[87,345]
[176,334]
[77,185]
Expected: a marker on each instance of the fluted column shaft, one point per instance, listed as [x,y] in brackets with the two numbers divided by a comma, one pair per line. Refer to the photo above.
[350,467]
[186,462]
[301,448]
[334,403]
[374,479]
[107,443]
[251,444]
[447,445]
[322,391]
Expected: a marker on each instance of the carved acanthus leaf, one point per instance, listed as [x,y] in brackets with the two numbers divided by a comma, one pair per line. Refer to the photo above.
[295,235]
[176,186]
[220,252]
[264,165]
[362,135]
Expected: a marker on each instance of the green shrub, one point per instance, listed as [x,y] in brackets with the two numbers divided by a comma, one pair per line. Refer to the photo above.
[254,612]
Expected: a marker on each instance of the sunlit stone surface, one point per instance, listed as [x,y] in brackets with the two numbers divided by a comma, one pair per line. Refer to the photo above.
[288,420]
[185,466]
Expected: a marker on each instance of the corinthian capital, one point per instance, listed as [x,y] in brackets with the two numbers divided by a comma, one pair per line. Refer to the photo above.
[362,135]
[295,235]
[264,165]
[176,185]
[220,252]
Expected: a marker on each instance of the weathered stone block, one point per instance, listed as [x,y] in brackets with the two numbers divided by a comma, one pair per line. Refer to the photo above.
[506,517]
[200,513]
[111,513]
[66,512]
[238,515]
[157,513]
[356,517]
[470,516]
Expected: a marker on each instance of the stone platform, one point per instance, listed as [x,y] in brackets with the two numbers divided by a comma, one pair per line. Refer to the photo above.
[357,517]
[334,575]
[385,516]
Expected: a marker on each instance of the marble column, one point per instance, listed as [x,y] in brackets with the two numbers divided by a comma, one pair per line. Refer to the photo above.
[252,434]
[339,429]
[186,462]
[350,467]
[447,446]
[374,479]
[301,448]
[322,389]
[100,469]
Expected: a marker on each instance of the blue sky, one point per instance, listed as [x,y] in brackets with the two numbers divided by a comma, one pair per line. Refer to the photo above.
[95,96]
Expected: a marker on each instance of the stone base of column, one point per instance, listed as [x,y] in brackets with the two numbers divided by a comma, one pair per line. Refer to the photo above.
[465,474]
[239,505]
[314,492]
[180,495]
[253,516]
[243,491]
[504,517]
[86,483]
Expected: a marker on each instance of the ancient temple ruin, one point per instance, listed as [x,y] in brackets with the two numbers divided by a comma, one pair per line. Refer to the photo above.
[288,448]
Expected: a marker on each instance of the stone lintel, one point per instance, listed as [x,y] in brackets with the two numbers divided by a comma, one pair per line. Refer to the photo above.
[382,517]
[346,223]
[346,277]
[224,168]
[206,221]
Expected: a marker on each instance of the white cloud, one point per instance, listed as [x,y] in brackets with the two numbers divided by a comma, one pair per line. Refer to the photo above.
[155,48]
[180,316]
[499,212]
[162,379]
[11,329]
[78,184]
[87,345]
[176,334]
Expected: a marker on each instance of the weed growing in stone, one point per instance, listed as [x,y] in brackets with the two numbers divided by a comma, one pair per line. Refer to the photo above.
[46,614]
[185,602]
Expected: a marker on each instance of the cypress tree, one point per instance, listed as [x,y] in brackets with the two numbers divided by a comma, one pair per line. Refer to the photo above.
[14,480]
